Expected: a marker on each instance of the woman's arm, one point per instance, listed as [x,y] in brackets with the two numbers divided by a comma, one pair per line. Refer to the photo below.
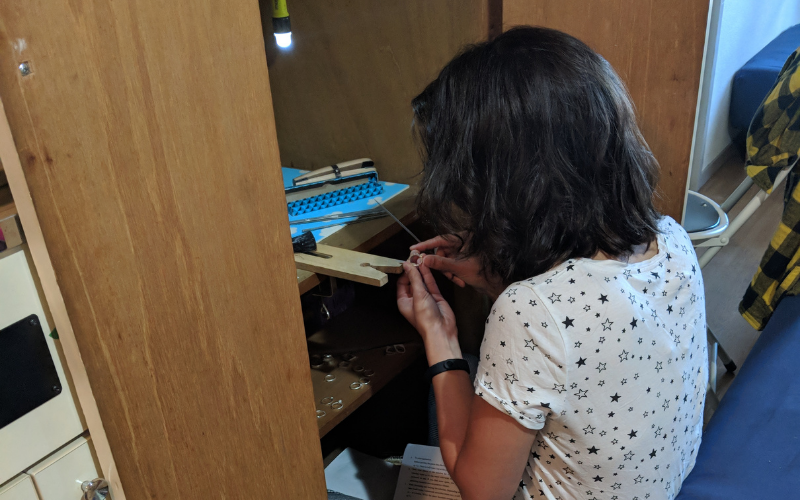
[484,450]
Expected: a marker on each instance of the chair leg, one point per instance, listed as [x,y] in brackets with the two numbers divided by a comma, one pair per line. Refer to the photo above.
[712,363]
[730,365]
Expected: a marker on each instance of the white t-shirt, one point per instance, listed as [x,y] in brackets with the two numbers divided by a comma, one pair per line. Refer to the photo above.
[609,361]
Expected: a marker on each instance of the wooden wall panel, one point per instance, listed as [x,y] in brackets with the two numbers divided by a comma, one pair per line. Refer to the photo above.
[146,133]
[657,49]
[344,88]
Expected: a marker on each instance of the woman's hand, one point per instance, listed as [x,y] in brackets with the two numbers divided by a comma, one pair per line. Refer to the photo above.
[421,303]
[461,271]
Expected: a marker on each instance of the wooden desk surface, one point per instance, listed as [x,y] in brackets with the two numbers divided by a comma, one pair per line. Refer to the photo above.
[384,367]
[364,236]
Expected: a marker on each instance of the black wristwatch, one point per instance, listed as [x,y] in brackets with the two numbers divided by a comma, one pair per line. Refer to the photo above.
[447,364]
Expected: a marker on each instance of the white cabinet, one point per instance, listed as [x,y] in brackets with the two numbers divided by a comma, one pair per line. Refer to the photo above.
[19,488]
[43,430]
[59,476]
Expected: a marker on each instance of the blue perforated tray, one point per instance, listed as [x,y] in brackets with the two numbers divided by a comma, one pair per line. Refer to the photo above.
[389,190]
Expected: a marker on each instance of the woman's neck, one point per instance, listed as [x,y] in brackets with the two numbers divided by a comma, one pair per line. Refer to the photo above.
[639,253]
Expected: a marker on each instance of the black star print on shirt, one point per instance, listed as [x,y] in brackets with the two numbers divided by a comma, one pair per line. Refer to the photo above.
[540,369]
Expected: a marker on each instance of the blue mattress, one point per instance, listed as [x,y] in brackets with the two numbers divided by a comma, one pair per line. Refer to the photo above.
[754,80]
[751,446]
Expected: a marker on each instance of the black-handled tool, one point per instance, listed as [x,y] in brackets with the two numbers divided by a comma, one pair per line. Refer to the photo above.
[306,243]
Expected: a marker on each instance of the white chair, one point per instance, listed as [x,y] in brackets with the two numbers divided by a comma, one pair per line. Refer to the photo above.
[709,226]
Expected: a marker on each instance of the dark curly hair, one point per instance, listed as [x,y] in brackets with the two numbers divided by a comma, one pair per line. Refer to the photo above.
[530,146]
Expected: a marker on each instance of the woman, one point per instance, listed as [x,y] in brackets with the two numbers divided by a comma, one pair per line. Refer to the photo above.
[592,370]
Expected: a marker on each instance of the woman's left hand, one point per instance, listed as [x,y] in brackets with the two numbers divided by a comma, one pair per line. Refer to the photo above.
[422,304]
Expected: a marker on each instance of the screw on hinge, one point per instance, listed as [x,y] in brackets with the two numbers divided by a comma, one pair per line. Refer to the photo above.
[25,68]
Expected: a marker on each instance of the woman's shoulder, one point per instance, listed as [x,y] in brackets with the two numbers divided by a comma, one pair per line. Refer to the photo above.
[677,246]
[673,233]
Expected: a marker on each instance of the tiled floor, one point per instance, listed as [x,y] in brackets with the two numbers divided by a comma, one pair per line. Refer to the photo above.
[729,273]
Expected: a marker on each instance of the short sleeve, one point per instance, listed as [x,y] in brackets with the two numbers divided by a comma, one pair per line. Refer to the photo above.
[522,369]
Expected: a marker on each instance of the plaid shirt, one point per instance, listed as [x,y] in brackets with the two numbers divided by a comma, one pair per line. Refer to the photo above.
[773,143]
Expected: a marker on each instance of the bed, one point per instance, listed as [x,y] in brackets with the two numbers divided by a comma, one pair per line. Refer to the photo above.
[751,446]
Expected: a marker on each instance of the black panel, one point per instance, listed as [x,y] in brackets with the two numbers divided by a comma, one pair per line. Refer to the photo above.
[28,377]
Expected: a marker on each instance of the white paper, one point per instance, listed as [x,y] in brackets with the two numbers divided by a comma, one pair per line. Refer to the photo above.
[423,476]
[361,476]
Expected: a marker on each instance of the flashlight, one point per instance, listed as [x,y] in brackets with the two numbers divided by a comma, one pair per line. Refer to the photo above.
[280,24]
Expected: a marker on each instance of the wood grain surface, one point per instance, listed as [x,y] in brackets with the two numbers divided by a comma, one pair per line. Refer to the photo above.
[347,264]
[657,49]
[344,88]
[145,131]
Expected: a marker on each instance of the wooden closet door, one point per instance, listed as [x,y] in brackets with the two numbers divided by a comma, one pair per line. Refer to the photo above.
[146,135]
[657,48]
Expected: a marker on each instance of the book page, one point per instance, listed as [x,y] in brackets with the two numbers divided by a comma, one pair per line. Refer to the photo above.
[361,476]
[423,476]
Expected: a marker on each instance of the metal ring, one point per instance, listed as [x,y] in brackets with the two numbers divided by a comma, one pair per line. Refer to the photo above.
[327,357]
[316,361]
[356,385]
[326,400]
[400,348]
[369,373]
[390,350]
[320,413]
[344,364]
[337,405]
[364,380]
[415,259]
[330,377]
[358,368]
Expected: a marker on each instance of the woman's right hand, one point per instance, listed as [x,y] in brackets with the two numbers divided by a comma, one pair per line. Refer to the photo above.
[458,269]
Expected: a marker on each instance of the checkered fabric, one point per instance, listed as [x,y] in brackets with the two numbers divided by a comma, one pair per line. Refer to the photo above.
[773,143]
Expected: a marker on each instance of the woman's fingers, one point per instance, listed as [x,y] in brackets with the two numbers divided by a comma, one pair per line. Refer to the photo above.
[442,264]
[404,287]
[430,281]
[438,242]
[418,289]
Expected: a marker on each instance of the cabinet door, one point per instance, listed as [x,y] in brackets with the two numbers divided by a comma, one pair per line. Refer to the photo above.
[19,488]
[146,138]
[657,49]
[59,476]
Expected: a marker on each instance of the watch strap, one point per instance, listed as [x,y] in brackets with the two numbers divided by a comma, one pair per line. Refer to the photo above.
[446,365]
